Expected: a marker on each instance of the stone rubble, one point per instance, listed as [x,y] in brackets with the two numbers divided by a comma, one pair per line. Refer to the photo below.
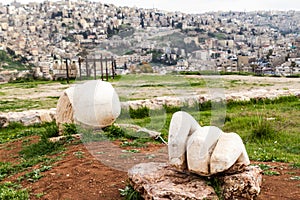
[159,102]
[245,185]
[159,181]
[27,118]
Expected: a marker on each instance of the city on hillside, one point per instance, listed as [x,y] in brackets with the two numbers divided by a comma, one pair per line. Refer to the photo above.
[74,38]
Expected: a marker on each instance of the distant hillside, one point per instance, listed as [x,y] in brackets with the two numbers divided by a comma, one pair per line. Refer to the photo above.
[8,62]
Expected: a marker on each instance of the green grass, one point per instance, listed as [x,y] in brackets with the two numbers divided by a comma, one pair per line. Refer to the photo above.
[16,130]
[130,194]
[269,128]
[31,153]
[13,62]
[16,105]
[9,191]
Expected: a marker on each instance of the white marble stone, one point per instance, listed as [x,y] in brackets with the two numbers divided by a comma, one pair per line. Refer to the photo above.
[199,148]
[204,150]
[182,125]
[96,103]
[228,151]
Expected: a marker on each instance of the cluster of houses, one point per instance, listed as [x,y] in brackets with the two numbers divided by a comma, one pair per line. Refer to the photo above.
[51,35]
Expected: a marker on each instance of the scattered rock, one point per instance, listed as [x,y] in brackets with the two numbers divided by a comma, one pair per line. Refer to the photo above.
[245,185]
[3,121]
[159,181]
[27,118]
[178,101]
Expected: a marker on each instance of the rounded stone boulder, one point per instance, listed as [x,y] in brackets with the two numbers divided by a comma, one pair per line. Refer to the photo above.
[93,103]
[96,103]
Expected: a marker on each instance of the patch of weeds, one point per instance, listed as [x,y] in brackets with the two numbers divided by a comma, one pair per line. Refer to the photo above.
[264,166]
[39,195]
[35,175]
[15,125]
[262,129]
[91,136]
[26,141]
[139,142]
[295,165]
[263,155]
[10,190]
[69,129]
[79,154]
[216,184]
[139,113]
[291,173]
[16,130]
[296,178]
[130,194]
[265,84]
[133,143]
[51,130]
[131,151]
[114,131]
[53,97]
[6,169]
[171,109]
[43,147]
[204,106]
[271,173]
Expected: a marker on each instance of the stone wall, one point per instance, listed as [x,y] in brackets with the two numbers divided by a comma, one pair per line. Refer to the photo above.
[38,116]
[159,102]
[27,118]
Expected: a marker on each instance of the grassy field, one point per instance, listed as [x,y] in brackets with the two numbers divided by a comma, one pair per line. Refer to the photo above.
[269,128]
[44,94]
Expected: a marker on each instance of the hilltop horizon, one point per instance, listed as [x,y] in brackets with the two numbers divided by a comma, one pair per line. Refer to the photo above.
[202,6]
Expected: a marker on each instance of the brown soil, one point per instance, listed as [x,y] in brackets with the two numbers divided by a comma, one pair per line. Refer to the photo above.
[81,175]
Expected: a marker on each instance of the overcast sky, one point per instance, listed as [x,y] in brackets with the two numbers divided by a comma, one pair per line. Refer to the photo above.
[200,6]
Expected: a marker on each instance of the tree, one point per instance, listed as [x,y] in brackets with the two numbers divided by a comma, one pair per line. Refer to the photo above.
[142,23]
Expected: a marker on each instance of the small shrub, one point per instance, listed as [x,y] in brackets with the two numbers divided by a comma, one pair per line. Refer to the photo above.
[5,169]
[10,191]
[139,113]
[130,194]
[171,109]
[69,129]
[205,106]
[43,147]
[114,131]
[262,129]
[51,130]
[264,166]
[271,173]
[15,125]
[216,184]
[295,165]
